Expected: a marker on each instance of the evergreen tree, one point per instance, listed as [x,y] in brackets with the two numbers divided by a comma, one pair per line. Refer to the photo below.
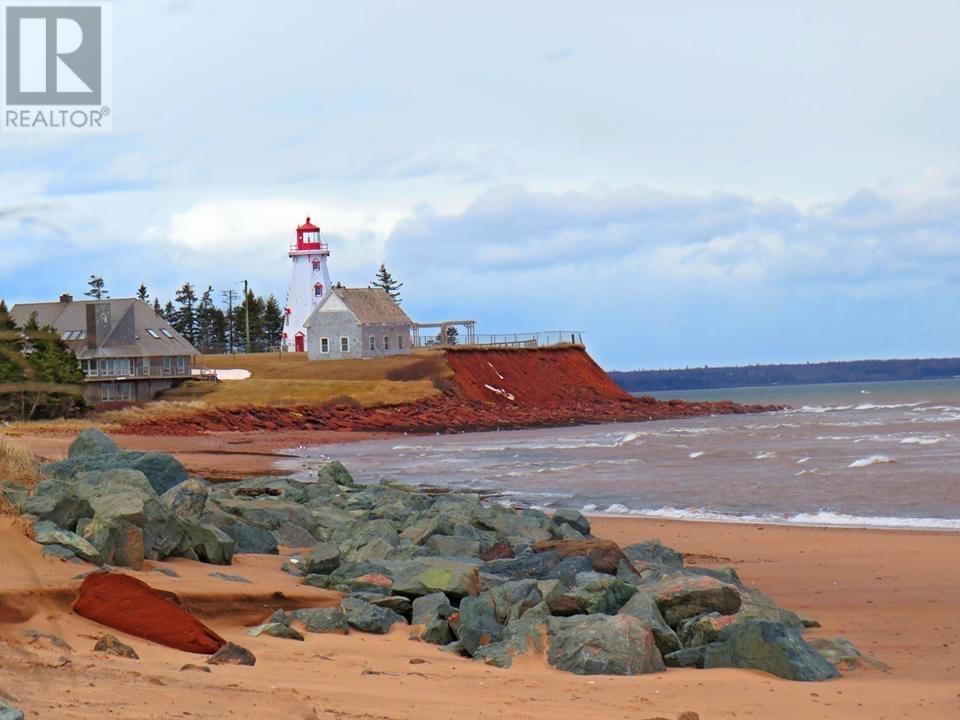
[97,288]
[156,307]
[449,337]
[386,281]
[169,312]
[272,323]
[211,324]
[185,317]
[142,294]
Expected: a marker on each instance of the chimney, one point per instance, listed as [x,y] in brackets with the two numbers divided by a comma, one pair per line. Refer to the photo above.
[66,298]
[98,324]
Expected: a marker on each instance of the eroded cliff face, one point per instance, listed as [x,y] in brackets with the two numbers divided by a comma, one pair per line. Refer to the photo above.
[541,377]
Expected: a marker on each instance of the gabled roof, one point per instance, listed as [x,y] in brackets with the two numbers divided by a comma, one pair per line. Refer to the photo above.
[371,306]
[130,333]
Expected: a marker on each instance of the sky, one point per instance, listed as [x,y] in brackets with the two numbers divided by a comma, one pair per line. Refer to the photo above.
[687,183]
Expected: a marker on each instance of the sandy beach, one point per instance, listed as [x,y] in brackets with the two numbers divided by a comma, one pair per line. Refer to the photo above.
[894,594]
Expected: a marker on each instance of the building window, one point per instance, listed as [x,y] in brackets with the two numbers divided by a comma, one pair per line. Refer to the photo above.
[181,365]
[325,345]
[167,365]
[317,290]
[373,344]
[344,344]
[91,367]
[386,343]
[400,342]
[116,392]
[146,366]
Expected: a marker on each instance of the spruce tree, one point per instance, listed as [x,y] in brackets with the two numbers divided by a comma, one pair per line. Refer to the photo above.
[157,308]
[142,294]
[386,281]
[97,288]
[272,323]
[169,312]
[185,318]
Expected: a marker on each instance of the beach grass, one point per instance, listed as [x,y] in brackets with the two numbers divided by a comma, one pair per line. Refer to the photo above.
[17,465]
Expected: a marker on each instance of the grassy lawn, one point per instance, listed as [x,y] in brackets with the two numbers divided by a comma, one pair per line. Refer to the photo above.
[292,379]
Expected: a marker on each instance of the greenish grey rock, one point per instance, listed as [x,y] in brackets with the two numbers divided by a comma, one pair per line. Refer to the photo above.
[54,501]
[755,605]
[126,505]
[92,442]
[322,559]
[119,542]
[475,624]
[686,657]
[231,654]
[277,630]
[211,544]
[9,712]
[46,533]
[602,645]
[188,499]
[398,603]
[770,647]
[566,570]
[653,552]
[594,593]
[163,471]
[574,519]
[321,620]
[293,536]
[429,575]
[521,636]
[452,546]
[97,483]
[376,549]
[512,599]
[231,578]
[366,617]
[702,629]
[843,653]
[254,540]
[336,472]
[644,608]
[433,612]
[60,552]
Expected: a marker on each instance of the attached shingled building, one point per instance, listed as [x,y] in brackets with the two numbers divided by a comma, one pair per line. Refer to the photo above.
[128,352]
[357,323]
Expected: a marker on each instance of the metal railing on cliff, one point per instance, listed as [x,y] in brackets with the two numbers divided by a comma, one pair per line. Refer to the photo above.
[505,340]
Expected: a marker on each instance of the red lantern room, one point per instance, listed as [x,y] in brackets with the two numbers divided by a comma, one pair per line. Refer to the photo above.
[308,237]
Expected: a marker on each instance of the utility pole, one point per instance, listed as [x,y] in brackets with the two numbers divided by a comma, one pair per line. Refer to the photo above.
[246,305]
[228,295]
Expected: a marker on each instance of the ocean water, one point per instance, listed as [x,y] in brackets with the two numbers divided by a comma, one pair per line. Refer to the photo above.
[861,455]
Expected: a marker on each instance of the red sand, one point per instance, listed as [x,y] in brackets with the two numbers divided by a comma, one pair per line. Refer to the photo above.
[131,606]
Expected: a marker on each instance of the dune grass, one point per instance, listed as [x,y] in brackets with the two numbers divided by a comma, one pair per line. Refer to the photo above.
[19,466]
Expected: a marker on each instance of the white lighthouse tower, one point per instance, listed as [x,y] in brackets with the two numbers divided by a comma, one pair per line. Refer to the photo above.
[309,283]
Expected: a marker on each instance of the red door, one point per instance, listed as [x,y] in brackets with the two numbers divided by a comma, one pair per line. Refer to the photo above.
[298,342]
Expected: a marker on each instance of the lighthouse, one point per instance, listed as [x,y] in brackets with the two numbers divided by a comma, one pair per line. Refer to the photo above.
[309,283]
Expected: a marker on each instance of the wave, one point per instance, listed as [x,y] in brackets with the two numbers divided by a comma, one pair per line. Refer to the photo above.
[872,460]
[764,456]
[914,440]
[821,518]
[698,453]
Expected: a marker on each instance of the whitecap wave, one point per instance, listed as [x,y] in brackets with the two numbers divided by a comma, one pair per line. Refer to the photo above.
[872,460]
[821,518]
[698,453]
[914,440]
[764,456]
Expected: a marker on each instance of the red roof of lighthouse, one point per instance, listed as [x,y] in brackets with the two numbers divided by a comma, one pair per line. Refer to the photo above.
[308,226]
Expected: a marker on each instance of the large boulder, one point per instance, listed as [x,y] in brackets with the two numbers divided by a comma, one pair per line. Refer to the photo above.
[320,620]
[92,442]
[644,608]
[684,596]
[56,501]
[323,558]
[653,552]
[336,472]
[277,630]
[432,612]
[771,647]
[163,471]
[574,519]
[521,636]
[250,539]
[46,533]
[704,629]
[188,499]
[211,544]
[118,541]
[475,624]
[367,617]
[9,712]
[843,653]
[602,645]
[593,593]
[604,555]
[512,599]
[131,606]
[429,575]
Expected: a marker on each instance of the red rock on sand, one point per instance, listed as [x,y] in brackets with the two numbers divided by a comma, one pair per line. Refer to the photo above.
[131,606]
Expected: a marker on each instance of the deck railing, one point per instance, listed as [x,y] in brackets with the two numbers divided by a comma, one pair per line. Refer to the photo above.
[506,340]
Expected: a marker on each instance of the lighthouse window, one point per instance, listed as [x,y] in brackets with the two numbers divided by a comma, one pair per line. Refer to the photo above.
[316,263]
[318,290]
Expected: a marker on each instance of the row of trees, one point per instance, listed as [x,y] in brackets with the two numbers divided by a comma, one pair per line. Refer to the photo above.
[40,377]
